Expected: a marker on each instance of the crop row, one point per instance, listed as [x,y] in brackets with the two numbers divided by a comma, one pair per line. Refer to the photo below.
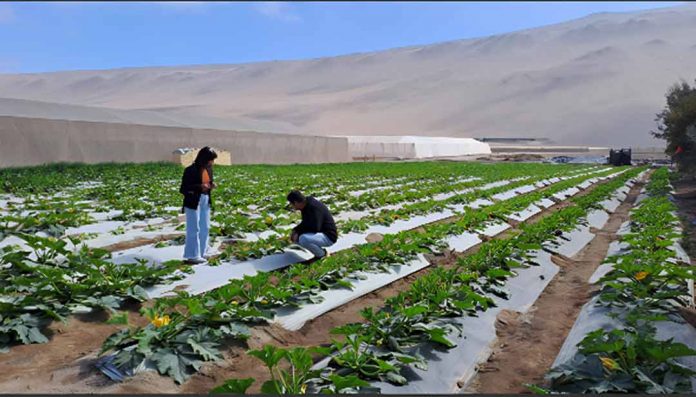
[254,298]
[275,243]
[389,339]
[248,196]
[46,281]
[647,284]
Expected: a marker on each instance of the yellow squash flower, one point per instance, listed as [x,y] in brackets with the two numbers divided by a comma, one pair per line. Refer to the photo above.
[160,321]
[303,389]
[609,364]
[641,275]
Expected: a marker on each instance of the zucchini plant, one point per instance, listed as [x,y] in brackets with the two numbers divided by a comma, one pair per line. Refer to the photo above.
[427,311]
[646,285]
[49,282]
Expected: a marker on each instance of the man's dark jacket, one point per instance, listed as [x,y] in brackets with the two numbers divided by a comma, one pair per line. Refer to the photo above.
[316,218]
[192,187]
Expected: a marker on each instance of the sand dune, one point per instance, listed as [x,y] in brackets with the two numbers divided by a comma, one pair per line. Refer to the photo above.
[597,80]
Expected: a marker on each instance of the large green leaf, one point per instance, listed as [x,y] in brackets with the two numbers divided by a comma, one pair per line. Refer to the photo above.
[236,330]
[128,360]
[272,387]
[665,351]
[115,340]
[270,355]
[341,383]
[30,334]
[137,292]
[206,349]
[145,338]
[653,386]
[395,378]
[413,311]
[233,386]
[176,364]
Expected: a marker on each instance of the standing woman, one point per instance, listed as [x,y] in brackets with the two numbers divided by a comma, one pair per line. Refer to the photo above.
[196,185]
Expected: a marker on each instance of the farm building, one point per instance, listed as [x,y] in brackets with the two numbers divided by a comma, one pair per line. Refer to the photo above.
[33,132]
[413,147]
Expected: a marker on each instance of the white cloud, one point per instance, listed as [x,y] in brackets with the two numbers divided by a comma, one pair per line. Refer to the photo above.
[6,13]
[277,10]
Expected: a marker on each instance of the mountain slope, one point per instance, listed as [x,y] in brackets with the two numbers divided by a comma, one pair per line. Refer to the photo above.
[598,80]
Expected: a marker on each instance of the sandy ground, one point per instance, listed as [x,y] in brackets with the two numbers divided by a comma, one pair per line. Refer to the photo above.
[66,363]
[139,242]
[528,343]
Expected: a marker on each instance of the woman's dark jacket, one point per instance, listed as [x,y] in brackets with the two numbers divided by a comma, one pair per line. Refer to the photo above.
[191,187]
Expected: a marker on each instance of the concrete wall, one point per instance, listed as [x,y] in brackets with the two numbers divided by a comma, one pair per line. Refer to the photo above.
[32,141]
[185,159]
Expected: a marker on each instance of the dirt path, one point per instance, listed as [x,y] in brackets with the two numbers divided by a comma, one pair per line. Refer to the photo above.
[528,343]
[685,198]
[66,363]
[141,241]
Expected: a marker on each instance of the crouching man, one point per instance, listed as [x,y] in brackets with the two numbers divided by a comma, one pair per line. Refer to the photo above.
[317,229]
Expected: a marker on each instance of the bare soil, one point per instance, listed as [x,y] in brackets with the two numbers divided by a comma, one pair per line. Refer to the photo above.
[140,241]
[528,343]
[66,363]
[685,198]
[513,157]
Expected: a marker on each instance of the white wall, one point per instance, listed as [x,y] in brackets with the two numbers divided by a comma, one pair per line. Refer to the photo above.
[414,147]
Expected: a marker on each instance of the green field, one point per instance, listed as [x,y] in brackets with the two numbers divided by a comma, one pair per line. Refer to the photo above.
[65,229]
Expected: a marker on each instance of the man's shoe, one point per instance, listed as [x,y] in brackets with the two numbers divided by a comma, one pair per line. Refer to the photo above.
[297,247]
[310,261]
[316,258]
[195,261]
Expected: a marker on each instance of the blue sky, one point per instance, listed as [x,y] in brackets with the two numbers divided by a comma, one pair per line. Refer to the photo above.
[38,37]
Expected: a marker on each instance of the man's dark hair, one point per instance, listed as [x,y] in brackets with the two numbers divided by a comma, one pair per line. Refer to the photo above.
[296,197]
[204,155]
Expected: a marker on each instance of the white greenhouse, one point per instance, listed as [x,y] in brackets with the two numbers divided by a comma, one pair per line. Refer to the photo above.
[413,147]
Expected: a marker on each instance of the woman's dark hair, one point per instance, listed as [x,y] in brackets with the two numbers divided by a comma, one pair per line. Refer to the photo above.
[296,197]
[204,156]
